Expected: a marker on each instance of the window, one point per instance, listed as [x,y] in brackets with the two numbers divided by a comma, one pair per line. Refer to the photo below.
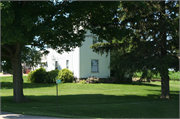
[67,64]
[94,39]
[56,65]
[94,66]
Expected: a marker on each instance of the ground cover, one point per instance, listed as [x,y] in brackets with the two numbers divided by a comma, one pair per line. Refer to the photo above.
[137,100]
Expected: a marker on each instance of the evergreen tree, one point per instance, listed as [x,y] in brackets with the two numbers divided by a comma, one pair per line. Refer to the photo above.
[151,28]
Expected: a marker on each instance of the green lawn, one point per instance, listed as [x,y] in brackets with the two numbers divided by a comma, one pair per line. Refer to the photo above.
[138,100]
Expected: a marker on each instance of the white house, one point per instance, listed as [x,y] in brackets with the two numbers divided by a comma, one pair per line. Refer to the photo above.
[83,62]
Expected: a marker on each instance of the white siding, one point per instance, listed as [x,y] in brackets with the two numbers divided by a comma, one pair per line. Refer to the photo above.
[60,58]
[80,60]
[86,55]
[75,62]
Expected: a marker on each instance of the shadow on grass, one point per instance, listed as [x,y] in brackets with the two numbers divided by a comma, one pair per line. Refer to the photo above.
[95,106]
[173,94]
[6,83]
[9,85]
[145,84]
[139,83]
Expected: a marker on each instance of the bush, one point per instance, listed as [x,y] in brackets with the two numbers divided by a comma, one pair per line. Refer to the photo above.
[82,81]
[52,76]
[66,76]
[92,79]
[37,76]
[30,77]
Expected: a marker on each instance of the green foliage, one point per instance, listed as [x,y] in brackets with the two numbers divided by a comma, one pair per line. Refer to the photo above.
[66,75]
[172,75]
[46,23]
[141,31]
[122,74]
[30,77]
[6,65]
[82,81]
[41,76]
[151,33]
[31,57]
[52,76]
[37,76]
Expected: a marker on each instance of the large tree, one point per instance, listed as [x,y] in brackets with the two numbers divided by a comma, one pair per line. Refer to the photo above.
[35,23]
[151,29]
[30,57]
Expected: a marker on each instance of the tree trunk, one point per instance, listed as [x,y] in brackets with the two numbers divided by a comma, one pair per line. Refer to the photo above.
[165,86]
[164,69]
[18,95]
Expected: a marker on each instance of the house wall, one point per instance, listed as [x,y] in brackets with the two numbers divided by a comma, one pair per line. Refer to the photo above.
[72,56]
[86,55]
[75,62]
[80,60]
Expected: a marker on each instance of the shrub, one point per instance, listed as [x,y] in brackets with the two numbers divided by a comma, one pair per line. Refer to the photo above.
[37,76]
[82,81]
[52,76]
[30,77]
[92,79]
[66,75]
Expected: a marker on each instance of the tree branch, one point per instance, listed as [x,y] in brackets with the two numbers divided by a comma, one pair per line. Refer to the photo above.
[8,49]
[5,55]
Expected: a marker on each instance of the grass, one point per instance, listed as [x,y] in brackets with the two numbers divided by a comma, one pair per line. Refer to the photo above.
[137,100]
[172,75]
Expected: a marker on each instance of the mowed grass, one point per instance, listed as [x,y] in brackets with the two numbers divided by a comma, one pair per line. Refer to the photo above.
[137,100]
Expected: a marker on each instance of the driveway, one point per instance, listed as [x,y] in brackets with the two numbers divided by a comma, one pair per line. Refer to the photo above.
[9,115]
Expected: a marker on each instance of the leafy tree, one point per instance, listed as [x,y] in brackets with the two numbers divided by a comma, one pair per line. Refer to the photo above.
[151,28]
[123,74]
[43,23]
[23,20]
[31,57]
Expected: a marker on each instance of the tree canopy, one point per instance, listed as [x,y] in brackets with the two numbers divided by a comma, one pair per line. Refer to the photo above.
[59,24]
[151,30]
[148,28]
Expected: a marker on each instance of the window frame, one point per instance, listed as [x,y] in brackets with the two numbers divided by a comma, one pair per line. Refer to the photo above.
[67,64]
[94,41]
[56,64]
[95,65]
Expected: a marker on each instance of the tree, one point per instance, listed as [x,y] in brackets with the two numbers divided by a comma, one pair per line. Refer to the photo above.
[31,57]
[23,20]
[58,24]
[123,74]
[151,29]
